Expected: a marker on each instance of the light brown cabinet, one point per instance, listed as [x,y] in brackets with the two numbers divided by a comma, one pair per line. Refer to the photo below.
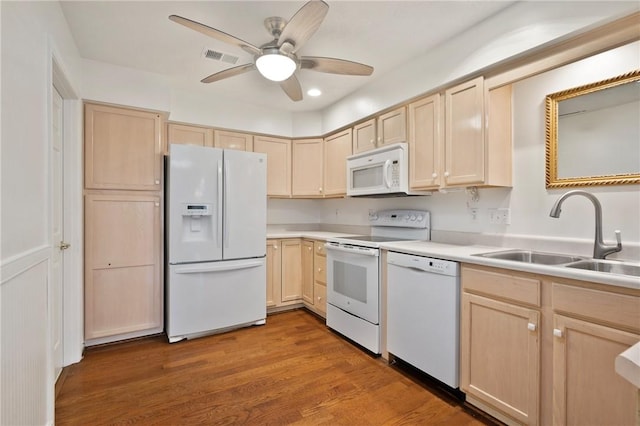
[233,140]
[462,138]
[536,349]
[189,134]
[123,148]
[307,272]
[123,284]
[590,328]
[386,129]
[278,152]
[426,150]
[315,272]
[337,148]
[500,343]
[308,165]
[284,272]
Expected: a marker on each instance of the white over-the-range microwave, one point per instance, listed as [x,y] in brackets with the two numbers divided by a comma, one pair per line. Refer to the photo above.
[382,172]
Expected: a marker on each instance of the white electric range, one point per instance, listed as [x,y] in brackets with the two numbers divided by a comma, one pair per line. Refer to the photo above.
[353,273]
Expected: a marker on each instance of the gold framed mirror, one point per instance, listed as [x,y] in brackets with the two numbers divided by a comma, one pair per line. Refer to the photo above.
[593,134]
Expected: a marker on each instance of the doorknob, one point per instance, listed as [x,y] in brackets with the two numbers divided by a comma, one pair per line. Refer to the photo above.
[63,245]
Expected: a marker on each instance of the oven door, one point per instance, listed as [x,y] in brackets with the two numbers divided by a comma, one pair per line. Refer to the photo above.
[353,280]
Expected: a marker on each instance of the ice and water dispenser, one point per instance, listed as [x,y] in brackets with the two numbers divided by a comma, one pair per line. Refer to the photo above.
[197,222]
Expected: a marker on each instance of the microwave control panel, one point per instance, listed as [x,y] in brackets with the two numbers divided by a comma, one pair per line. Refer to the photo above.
[395,174]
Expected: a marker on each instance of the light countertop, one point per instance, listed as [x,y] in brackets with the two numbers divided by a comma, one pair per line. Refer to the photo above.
[314,235]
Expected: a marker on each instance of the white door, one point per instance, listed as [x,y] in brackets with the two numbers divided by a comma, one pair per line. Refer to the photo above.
[194,204]
[57,237]
[245,204]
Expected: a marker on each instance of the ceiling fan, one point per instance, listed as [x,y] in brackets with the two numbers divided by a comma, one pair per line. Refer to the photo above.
[277,60]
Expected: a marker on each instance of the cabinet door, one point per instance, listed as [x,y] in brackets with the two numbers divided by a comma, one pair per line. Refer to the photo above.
[123,148]
[586,388]
[364,136]
[274,272]
[191,135]
[464,134]
[500,356]
[233,140]
[392,127]
[278,164]
[425,143]
[307,271]
[123,283]
[307,168]
[337,148]
[291,270]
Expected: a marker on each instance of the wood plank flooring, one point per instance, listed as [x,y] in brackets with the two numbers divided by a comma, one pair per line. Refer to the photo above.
[293,370]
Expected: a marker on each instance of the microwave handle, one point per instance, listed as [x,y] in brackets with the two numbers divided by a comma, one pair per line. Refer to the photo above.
[387,166]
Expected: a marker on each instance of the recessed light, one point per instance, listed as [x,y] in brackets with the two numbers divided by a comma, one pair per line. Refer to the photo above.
[314,92]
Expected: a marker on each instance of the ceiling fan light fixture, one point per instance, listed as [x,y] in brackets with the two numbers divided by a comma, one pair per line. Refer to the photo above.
[275,66]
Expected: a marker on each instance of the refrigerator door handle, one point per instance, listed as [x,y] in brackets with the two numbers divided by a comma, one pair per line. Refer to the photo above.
[217,268]
[219,209]
[225,216]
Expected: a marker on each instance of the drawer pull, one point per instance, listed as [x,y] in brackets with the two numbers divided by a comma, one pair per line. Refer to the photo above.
[531,326]
[557,332]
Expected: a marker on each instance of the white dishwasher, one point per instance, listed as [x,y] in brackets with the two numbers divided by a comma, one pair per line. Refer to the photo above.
[423,311]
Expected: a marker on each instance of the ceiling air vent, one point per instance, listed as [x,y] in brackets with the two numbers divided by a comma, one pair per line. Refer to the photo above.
[219,56]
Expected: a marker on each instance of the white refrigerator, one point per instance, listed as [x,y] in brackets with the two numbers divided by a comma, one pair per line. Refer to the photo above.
[216,227]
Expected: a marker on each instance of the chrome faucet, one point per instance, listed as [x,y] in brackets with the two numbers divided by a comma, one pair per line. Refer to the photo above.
[600,249]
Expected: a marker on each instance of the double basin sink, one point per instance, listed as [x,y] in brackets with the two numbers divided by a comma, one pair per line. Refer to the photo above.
[576,262]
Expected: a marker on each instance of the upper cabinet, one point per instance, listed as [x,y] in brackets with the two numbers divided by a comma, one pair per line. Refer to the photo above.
[461,140]
[385,129]
[337,148]
[307,168]
[464,134]
[233,140]
[188,134]
[278,152]
[123,148]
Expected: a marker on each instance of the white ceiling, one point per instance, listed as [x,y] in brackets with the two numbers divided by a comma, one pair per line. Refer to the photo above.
[383,34]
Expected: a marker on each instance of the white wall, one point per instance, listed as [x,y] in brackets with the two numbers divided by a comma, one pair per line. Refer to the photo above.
[31,33]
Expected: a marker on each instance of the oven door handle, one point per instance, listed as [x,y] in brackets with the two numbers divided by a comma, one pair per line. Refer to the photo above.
[364,250]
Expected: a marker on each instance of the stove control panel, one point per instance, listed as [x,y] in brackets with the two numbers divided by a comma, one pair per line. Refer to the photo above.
[400,218]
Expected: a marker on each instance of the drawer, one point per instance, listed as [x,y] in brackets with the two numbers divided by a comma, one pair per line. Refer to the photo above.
[320,297]
[601,306]
[502,284]
[318,248]
[320,268]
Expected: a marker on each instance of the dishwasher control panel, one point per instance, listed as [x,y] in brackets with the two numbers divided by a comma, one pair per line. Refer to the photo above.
[427,264]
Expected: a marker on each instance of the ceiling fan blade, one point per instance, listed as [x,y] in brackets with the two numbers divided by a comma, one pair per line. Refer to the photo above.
[334,66]
[217,34]
[229,73]
[291,87]
[303,24]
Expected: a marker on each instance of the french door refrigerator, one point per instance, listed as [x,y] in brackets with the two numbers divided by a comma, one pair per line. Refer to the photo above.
[216,215]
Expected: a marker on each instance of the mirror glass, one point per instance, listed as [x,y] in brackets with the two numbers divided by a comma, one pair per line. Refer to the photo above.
[593,133]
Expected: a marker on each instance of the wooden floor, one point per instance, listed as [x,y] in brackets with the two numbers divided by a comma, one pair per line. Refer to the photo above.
[293,370]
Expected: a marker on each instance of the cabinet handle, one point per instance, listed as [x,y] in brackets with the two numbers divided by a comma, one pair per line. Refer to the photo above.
[157,182]
[446,174]
[275,247]
[309,248]
[557,332]
[320,190]
[371,141]
[434,175]
[531,326]
[319,298]
[319,269]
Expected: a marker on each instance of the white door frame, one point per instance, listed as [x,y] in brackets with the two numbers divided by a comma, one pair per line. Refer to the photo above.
[73,329]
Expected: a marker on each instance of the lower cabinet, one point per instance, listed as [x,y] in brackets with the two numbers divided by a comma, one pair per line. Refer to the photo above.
[123,274]
[541,350]
[284,272]
[314,270]
[500,351]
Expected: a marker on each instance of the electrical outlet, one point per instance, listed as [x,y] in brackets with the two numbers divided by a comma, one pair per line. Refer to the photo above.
[473,213]
[500,216]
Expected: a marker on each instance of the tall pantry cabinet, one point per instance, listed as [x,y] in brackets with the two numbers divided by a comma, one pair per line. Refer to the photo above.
[123,223]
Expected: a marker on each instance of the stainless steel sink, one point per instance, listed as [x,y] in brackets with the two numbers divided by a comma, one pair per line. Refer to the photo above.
[528,256]
[609,266]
